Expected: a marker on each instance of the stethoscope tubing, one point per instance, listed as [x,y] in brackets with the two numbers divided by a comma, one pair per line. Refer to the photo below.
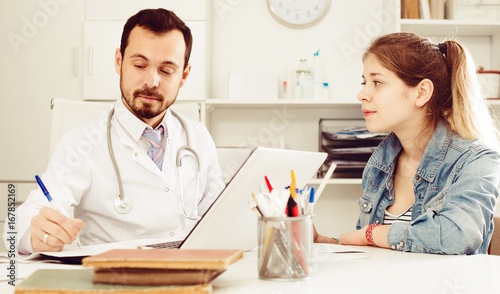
[123,204]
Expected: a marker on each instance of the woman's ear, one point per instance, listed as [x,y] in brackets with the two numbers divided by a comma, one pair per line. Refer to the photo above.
[425,89]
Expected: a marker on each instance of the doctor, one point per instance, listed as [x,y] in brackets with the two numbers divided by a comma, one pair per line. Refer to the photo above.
[153,65]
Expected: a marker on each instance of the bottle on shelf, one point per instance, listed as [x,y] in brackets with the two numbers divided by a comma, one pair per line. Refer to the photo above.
[287,85]
[325,92]
[303,80]
[318,77]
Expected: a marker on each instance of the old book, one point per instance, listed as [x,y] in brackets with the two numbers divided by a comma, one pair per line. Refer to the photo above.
[425,9]
[404,8]
[152,276]
[59,281]
[414,9]
[160,266]
[437,9]
[164,258]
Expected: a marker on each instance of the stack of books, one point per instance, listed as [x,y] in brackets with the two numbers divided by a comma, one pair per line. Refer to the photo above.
[142,271]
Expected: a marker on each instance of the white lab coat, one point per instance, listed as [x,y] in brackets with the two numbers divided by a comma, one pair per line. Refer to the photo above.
[81,174]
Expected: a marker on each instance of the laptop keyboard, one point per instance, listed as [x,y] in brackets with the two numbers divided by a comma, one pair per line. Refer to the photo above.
[171,244]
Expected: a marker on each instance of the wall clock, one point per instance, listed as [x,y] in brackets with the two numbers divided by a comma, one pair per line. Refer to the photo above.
[298,14]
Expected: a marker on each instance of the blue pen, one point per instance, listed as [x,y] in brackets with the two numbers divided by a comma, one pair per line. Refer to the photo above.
[51,201]
[310,207]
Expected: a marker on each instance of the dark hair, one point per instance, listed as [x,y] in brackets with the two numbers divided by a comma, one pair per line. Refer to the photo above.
[450,68]
[158,21]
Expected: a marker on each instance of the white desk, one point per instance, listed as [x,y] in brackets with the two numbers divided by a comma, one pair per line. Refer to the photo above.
[376,271]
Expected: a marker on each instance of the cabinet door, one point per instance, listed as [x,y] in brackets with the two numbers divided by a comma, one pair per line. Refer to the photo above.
[100,80]
[123,9]
[42,66]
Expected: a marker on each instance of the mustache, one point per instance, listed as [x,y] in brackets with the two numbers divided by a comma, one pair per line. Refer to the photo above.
[148,92]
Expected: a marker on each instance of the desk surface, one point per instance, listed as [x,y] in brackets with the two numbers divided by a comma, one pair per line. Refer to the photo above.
[375,271]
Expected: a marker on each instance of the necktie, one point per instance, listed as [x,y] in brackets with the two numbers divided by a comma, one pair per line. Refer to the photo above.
[156,151]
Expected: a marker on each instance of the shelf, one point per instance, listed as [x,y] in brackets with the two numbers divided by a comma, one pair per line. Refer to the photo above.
[279,102]
[450,28]
[336,181]
[495,102]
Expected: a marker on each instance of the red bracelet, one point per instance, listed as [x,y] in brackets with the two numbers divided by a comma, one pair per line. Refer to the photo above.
[369,234]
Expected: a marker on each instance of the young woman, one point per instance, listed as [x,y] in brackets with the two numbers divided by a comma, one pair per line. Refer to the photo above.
[432,184]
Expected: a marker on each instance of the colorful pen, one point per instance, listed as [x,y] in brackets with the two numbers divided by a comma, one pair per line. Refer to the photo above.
[310,207]
[292,208]
[268,183]
[294,181]
[51,201]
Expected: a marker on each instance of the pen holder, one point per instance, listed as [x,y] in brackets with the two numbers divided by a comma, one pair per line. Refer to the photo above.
[285,247]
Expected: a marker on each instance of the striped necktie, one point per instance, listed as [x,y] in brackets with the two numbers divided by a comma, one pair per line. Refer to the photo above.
[156,151]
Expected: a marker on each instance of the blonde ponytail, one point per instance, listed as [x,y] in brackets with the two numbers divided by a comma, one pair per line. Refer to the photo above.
[470,116]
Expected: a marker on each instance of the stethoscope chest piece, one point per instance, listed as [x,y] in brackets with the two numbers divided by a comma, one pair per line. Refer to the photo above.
[123,205]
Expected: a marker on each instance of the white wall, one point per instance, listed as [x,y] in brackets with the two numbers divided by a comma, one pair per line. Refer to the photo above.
[247,38]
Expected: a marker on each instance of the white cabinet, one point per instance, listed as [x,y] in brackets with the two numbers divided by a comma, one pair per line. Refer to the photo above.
[101,39]
[123,9]
[45,65]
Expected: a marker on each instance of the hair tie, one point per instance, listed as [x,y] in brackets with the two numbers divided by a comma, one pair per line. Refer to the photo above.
[443,48]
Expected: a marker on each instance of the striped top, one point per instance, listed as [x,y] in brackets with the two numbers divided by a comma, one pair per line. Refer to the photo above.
[390,218]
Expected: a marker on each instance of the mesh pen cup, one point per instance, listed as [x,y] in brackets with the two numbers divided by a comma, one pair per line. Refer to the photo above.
[285,247]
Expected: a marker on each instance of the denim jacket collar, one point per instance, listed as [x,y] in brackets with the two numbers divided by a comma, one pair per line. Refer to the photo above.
[385,156]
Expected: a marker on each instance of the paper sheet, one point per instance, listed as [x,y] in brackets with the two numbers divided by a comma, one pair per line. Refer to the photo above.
[332,252]
[95,249]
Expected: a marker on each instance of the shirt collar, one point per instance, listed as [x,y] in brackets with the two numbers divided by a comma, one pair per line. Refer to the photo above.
[132,124]
[388,150]
[435,151]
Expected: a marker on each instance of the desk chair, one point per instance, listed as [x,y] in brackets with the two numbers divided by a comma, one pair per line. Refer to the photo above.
[68,114]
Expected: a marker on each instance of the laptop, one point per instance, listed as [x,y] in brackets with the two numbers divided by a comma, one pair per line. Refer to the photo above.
[230,223]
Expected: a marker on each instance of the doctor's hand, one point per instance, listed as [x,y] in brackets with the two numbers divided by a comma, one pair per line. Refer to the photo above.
[51,230]
[322,239]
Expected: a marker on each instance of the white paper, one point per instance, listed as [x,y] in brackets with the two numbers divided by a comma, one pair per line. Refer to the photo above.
[96,249]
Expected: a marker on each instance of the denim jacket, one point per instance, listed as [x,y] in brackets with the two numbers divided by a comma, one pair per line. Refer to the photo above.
[456,186]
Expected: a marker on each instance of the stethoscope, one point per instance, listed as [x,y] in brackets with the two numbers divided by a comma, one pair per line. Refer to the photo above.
[123,204]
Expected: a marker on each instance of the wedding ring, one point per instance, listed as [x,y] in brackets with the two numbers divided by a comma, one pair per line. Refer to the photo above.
[45,238]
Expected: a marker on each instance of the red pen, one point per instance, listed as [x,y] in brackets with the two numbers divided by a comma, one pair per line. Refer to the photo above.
[292,208]
[268,183]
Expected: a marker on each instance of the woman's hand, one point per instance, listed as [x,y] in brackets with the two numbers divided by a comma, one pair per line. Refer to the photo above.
[354,238]
[358,237]
[322,239]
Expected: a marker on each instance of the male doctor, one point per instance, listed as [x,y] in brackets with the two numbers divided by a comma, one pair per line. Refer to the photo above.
[153,65]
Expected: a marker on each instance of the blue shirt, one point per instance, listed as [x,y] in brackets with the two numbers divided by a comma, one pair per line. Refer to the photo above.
[456,189]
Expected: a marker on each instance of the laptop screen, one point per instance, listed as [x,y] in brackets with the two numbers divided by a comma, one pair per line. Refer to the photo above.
[230,223]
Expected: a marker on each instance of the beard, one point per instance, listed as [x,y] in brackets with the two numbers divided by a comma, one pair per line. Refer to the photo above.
[146,110]
[142,109]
